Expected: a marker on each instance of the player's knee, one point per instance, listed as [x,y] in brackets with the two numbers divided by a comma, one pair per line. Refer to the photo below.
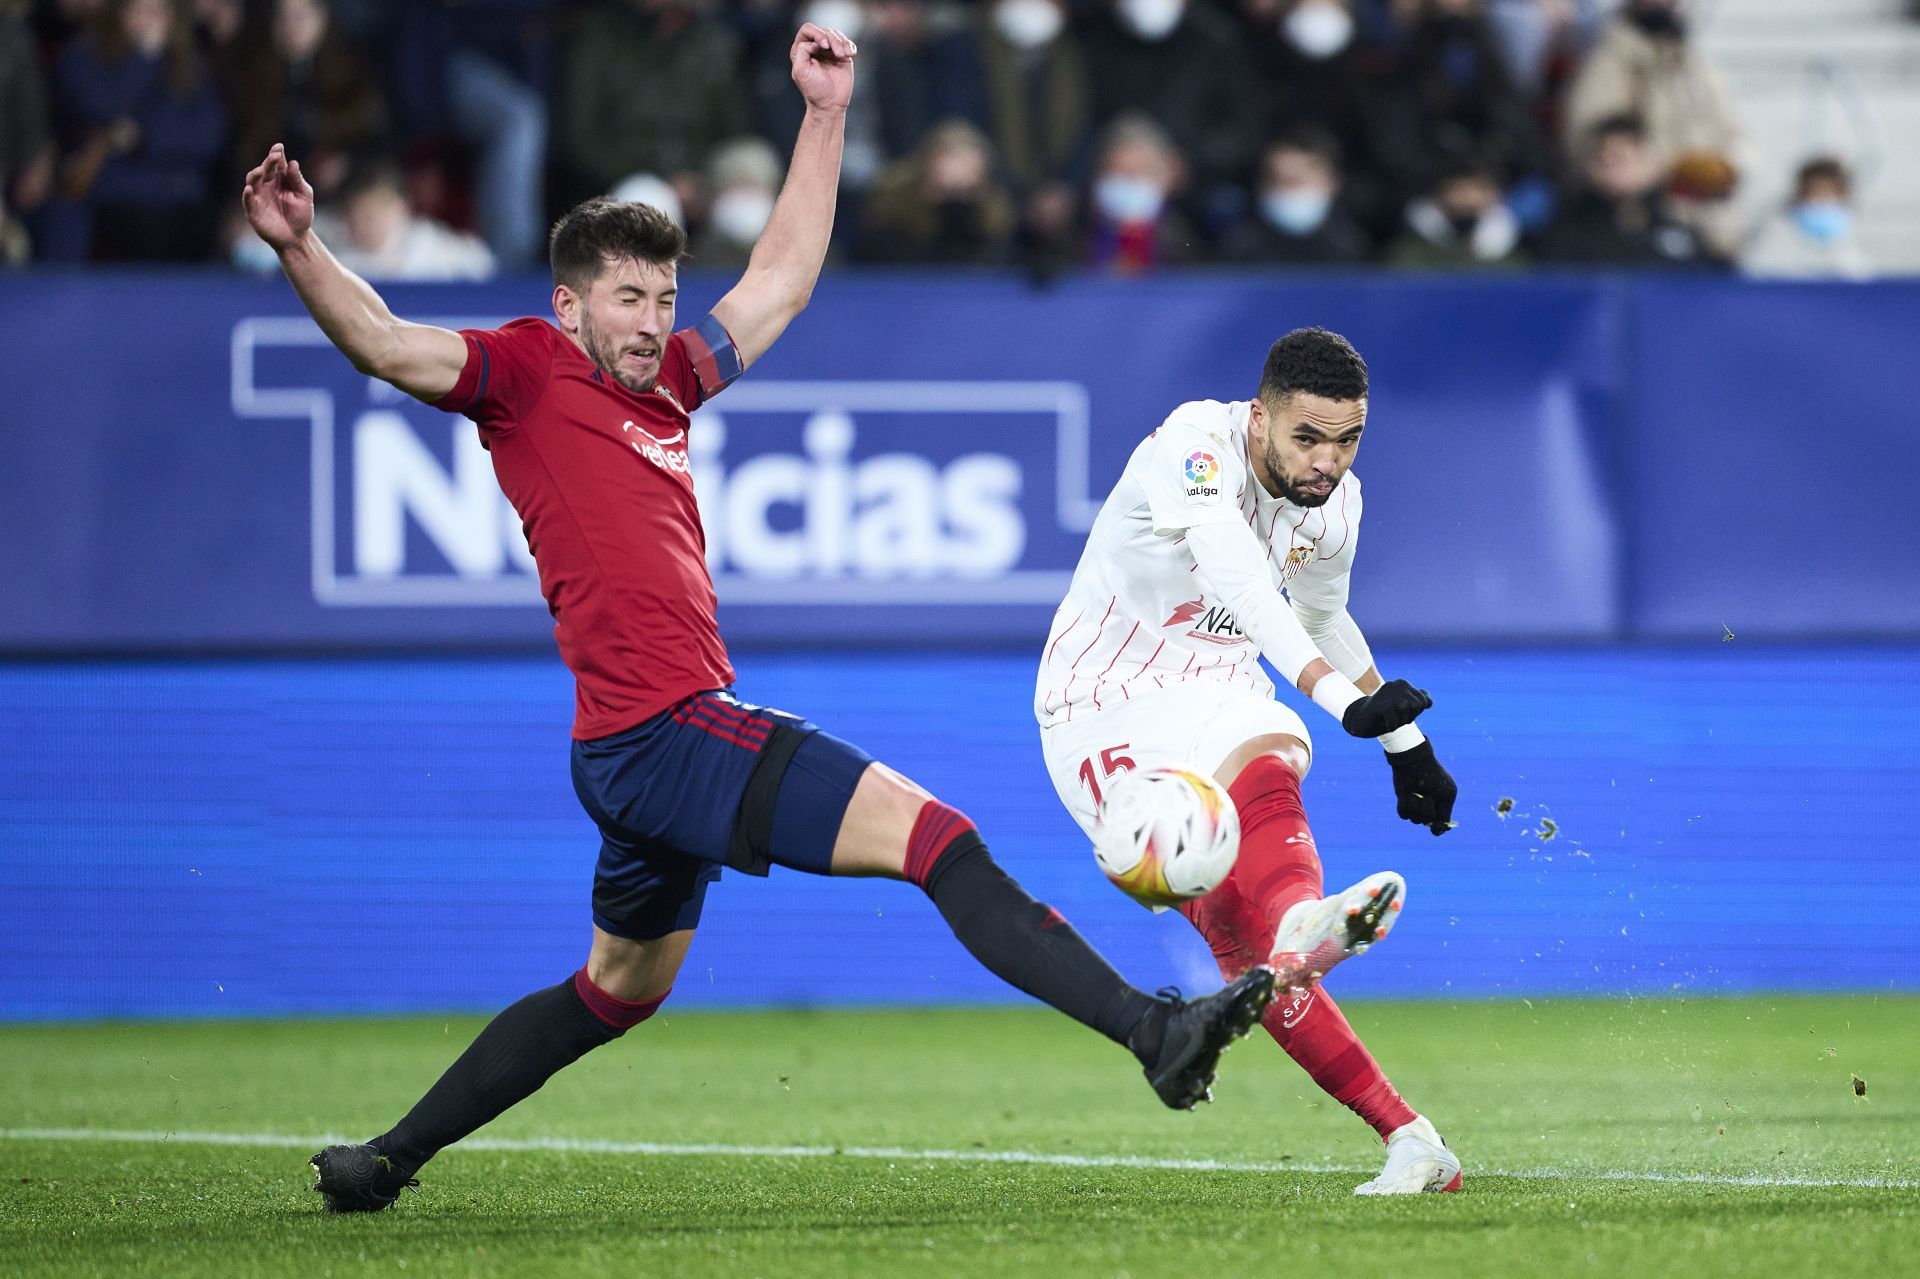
[617,1014]
[939,832]
[877,832]
[630,977]
[1267,789]
[1296,755]
[1262,753]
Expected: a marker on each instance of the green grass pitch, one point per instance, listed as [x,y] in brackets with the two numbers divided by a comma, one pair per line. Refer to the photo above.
[1620,1137]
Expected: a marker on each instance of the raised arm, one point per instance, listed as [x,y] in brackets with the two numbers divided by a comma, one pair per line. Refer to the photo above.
[786,260]
[420,359]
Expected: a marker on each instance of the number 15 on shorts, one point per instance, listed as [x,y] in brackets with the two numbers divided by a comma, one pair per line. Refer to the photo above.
[1110,763]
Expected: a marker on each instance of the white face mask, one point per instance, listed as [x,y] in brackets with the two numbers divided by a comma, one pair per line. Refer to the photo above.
[1297,212]
[740,215]
[1318,29]
[1123,198]
[1152,19]
[1027,24]
[844,16]
[1823,221]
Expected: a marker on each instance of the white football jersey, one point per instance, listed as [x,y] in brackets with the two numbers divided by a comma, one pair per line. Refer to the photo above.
[1137,617]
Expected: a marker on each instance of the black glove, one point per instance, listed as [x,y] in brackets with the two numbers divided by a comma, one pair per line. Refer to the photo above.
[1395,704]
[1424,789]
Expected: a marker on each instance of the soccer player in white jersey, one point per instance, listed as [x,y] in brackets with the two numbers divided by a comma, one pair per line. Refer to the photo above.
[1230,535]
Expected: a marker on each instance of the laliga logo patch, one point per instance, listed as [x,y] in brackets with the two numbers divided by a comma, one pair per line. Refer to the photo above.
[1202,469]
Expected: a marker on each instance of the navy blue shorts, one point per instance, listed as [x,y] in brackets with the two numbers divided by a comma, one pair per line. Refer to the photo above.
[707,783]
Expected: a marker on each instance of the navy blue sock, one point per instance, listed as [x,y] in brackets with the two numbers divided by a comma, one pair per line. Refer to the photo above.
[518,1052]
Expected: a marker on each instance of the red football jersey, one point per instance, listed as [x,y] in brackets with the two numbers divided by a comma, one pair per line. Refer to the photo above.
[601,481]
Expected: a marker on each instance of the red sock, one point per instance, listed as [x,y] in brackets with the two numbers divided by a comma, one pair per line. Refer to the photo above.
[1316,1034]
[1279,866]
[1278,863]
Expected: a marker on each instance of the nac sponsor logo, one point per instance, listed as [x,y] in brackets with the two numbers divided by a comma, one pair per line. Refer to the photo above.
[1210,622]
[809,492]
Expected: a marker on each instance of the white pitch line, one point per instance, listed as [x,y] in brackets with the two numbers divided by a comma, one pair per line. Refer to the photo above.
[189,1137]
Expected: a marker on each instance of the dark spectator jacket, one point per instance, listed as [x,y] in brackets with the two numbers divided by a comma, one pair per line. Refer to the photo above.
[904,90]
[516,35]
[1592,230]
[1038,107]
[1451,96]
[331,105]
[25,128]
[902,228]
[1198,84]
[917,86]
[638,96]
[1336,94]
[1338,241]
[179,136]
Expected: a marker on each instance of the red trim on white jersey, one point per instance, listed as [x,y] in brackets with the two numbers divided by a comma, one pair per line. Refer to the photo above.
[1063,634]
[1346,527]
[1123,648]
[1096,631]
[1128,556]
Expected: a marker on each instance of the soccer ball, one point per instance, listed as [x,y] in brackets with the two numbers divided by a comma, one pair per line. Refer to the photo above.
[1167,835]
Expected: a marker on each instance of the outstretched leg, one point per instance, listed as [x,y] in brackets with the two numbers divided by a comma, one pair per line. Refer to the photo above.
[713,782]
[1278,868]
[894,828]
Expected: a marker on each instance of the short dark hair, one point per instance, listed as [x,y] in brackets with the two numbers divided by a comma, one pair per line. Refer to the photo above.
[1314,361]
[1462,166]
[598,231]
[374,171]
[1311,139]
[1824,168]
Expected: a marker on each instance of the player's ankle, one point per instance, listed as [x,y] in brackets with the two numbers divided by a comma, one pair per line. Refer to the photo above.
[1281,906]
[1150,1035]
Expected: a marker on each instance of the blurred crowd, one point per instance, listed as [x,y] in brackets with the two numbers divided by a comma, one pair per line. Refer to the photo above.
[1113,135]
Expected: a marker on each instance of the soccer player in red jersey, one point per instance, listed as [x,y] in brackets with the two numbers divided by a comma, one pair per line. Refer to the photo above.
[586,418]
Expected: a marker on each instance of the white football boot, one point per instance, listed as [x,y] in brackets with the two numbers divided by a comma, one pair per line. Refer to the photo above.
[1418,1163]
[1316,934]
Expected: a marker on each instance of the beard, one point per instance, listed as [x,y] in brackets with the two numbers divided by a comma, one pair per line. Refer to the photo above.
[1291,491]
[605,354]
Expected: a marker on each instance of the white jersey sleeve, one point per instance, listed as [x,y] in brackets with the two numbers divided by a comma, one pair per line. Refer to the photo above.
[1192,475]
[1318,593]
[1181,576]
[1233,567]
